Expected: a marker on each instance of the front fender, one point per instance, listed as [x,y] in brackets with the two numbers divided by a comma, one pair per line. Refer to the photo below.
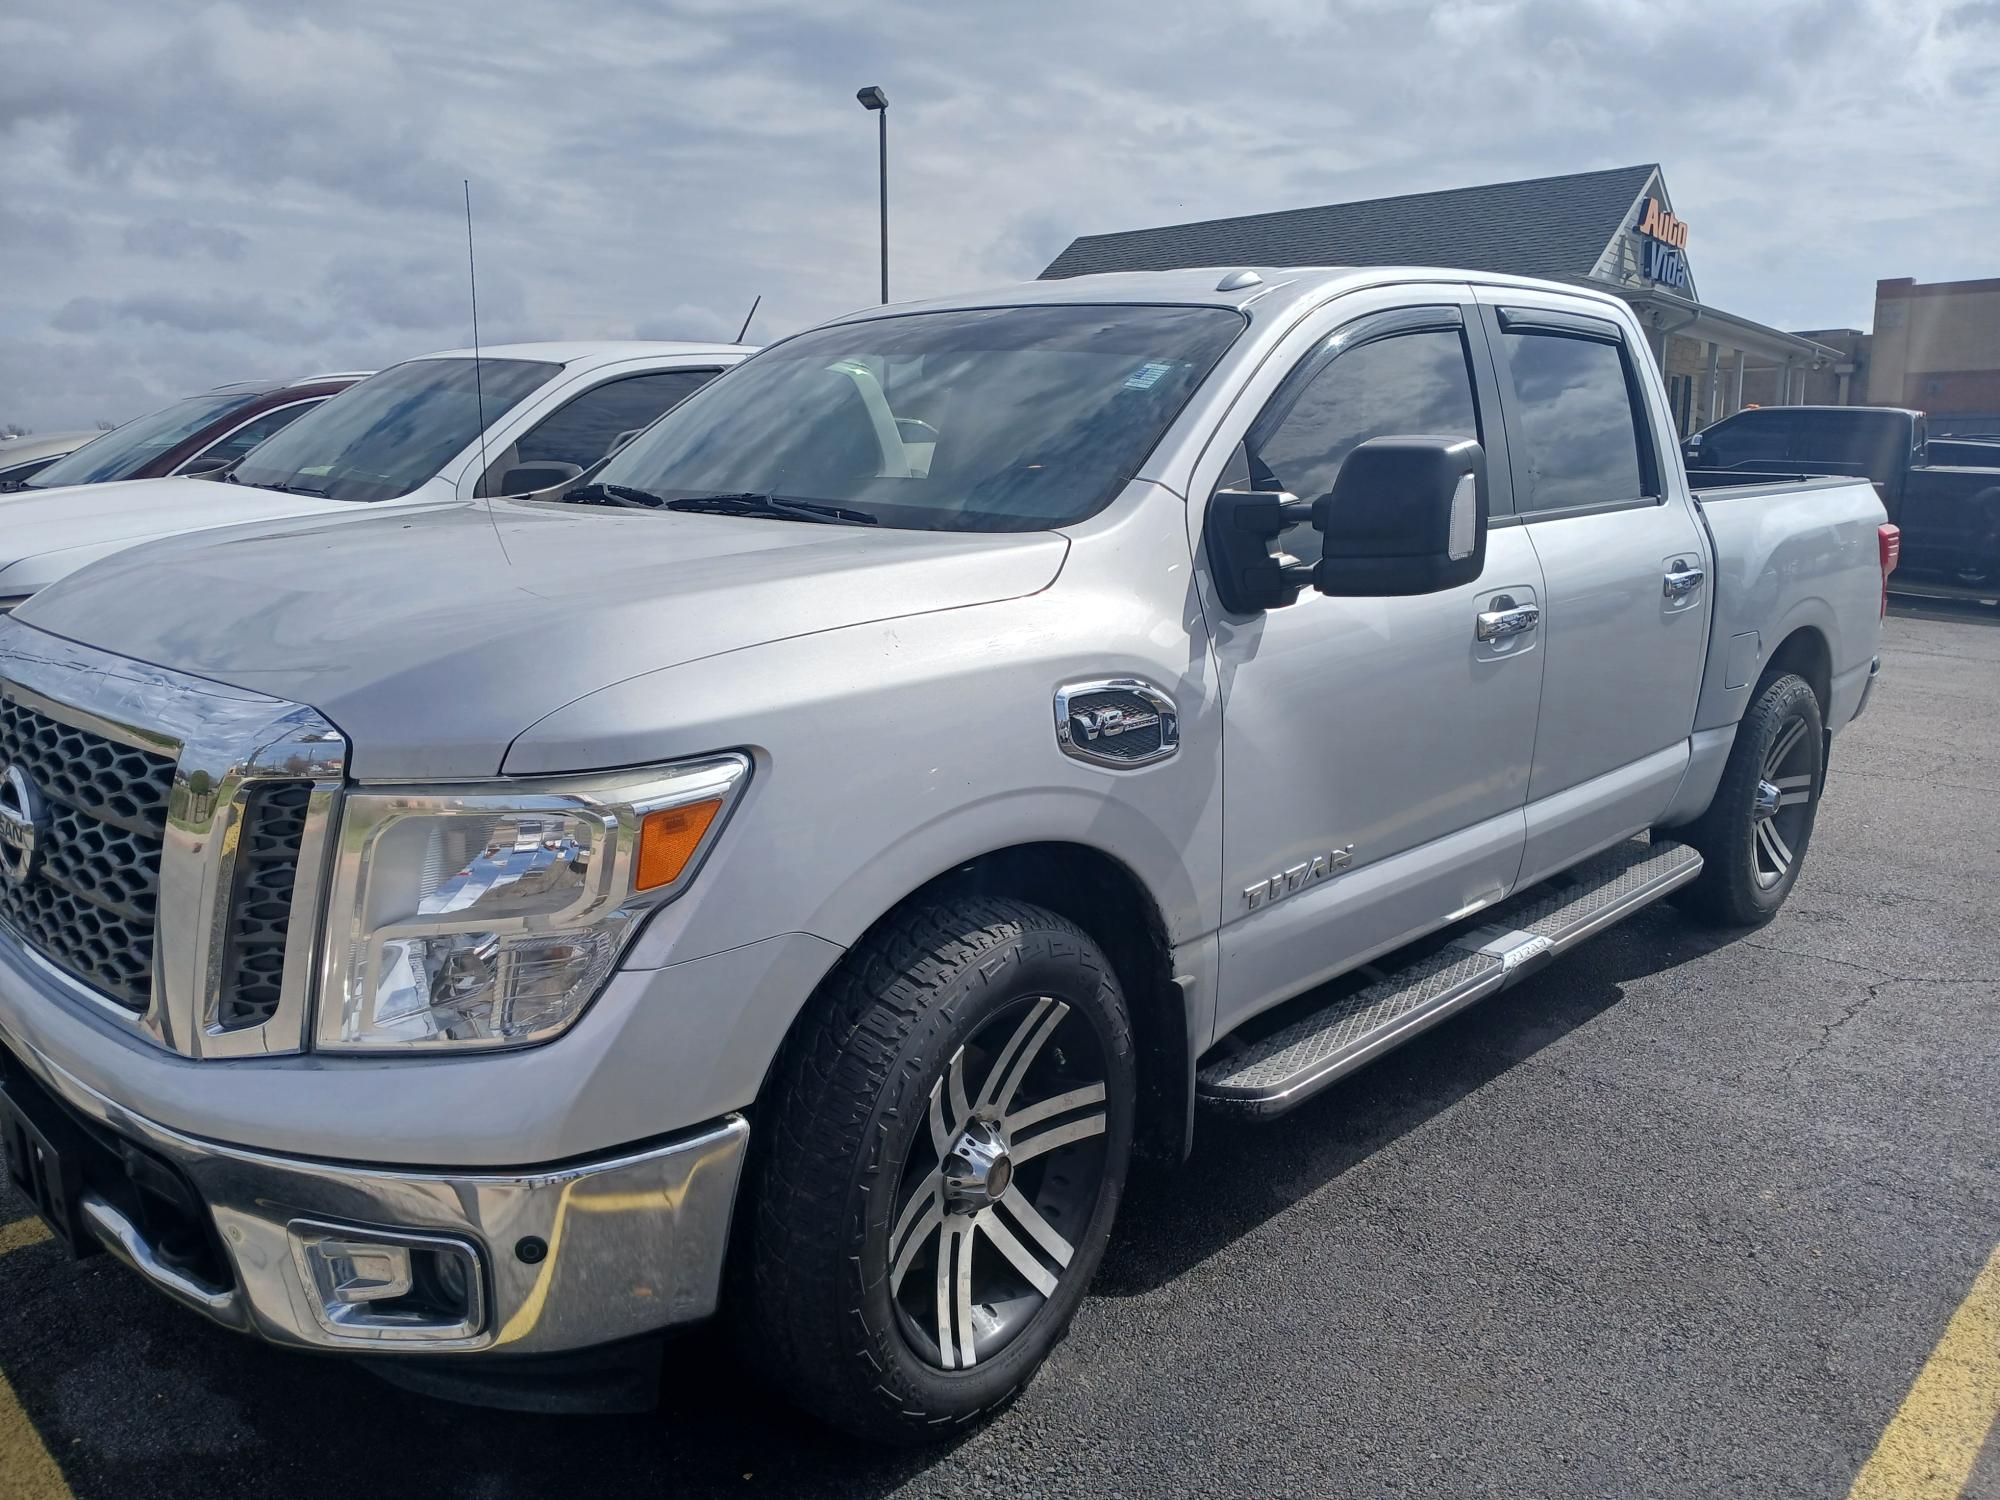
[887,754]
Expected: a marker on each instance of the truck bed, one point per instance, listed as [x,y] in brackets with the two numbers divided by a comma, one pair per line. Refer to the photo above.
[1791,552]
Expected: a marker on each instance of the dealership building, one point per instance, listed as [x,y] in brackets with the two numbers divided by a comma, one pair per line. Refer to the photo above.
[1613,230]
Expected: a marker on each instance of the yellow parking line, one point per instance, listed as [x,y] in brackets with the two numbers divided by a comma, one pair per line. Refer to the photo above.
[21,1234]
[1934,1440]
[26,1470]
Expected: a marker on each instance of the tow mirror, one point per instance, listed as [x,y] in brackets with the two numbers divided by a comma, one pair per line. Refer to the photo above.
[1407,515]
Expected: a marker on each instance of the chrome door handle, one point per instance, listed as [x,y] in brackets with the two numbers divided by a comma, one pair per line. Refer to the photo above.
[1498,624]
[1683,581]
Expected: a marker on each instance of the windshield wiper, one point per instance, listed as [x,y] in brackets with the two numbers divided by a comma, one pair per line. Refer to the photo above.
[624,496]
[774,506]
[283,489]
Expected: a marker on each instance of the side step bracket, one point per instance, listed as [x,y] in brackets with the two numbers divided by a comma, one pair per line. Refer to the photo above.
[1288,1065]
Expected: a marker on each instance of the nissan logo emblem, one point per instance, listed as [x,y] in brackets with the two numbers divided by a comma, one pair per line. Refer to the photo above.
[20,824]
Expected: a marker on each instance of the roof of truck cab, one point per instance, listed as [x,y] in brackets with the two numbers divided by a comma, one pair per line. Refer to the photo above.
[596,351]
[1277,289]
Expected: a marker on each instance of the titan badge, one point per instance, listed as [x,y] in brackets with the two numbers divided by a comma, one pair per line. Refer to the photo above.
[1297,878]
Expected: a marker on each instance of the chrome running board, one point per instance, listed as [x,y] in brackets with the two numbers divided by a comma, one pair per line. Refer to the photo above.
[1286,1066]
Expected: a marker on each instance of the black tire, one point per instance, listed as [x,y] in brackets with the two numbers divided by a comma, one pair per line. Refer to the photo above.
[1741,883]
[850,1134]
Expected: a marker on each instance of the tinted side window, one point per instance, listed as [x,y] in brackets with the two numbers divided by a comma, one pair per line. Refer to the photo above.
[1860,443]
[583,431]
[1579,442]
[1749,443]
[1406,383]
[253,432]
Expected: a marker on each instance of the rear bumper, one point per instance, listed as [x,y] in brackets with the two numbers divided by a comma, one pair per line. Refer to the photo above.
[546,1260]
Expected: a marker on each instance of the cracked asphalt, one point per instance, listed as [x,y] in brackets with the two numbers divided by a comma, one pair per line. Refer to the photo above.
[1680,1216]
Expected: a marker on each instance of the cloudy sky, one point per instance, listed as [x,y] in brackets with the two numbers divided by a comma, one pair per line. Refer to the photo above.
[201,193]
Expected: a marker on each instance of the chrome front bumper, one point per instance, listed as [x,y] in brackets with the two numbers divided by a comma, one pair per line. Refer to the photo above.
[568,1257]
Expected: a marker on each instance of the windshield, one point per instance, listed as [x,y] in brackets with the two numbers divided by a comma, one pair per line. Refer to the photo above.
[123,451]
[382,438]
[1006,419]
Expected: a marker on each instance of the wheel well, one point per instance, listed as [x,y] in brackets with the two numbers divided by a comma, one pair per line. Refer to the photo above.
[1103,897]
[1805,652]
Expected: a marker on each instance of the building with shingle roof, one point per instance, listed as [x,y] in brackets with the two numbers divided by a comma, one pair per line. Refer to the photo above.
[1613,229]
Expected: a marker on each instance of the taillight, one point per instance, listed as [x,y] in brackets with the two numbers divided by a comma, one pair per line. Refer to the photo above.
[1889,545]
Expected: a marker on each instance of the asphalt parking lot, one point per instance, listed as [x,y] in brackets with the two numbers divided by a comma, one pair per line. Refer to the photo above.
[1678,1217]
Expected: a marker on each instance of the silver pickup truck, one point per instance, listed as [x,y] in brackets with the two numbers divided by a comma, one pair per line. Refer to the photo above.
[793,874]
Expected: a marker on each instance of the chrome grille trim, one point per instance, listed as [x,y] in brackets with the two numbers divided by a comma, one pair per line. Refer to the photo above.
[224,741]
[88,897]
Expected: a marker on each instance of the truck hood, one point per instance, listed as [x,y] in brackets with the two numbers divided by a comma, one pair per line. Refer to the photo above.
[45,534]
[433,636]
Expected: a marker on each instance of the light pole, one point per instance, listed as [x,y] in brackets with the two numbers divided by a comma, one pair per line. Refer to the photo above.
[877,102]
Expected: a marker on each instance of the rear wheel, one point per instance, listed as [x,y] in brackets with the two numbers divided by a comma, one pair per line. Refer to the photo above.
[947,1154]
[1754,835]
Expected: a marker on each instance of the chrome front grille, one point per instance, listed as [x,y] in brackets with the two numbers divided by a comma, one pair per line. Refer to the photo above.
[166,862]
[260,915]
[90,899]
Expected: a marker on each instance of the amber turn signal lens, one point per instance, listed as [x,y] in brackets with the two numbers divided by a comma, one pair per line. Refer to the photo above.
[668,839]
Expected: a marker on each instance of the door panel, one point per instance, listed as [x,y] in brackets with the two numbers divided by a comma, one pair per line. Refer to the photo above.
[1625,587]
[1376,752]
[1380,729]
[1951,521]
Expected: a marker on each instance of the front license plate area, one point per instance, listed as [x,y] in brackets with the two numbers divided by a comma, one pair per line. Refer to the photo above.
[45,1163]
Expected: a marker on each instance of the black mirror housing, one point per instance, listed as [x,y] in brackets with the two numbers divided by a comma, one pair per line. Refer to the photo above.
[1242,525]
[1407,515]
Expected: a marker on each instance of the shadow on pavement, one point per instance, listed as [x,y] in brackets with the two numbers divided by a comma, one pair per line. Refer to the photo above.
[1243,1173]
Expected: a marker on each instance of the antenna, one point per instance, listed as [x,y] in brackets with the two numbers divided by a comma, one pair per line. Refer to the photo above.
[478,384]
[747,317]
[478,380]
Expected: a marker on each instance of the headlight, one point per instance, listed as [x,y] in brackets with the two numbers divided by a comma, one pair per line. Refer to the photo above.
[490,916]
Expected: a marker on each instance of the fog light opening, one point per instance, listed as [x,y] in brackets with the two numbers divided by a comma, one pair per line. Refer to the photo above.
[378,1286]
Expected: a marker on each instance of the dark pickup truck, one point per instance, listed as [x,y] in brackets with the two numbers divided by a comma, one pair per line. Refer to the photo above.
[1943,492]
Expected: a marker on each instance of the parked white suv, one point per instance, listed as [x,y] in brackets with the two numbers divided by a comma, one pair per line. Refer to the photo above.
[412,434]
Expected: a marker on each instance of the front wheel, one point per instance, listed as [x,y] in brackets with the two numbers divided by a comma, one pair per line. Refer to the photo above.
[1753,837]
[950,1139]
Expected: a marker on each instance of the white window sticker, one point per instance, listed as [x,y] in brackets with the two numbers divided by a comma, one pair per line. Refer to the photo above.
[1147,375]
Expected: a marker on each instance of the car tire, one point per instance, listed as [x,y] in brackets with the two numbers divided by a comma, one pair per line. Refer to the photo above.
[1752,850]
[898,1287]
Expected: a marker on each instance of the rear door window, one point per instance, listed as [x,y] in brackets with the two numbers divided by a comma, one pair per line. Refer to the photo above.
[589,427]
[1754,442]
[1579,441]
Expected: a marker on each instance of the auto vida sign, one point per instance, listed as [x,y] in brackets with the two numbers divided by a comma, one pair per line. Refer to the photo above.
[1664,239]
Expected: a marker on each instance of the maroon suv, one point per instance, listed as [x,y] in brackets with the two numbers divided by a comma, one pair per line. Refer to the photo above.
[195,436]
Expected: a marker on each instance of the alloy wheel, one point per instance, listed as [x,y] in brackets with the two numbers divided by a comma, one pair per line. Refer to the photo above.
[1782,809]
[1002,1184]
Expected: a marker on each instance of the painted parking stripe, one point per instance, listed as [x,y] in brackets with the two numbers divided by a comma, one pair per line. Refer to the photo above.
[26,1470]
[1929,1449]
[21,1234]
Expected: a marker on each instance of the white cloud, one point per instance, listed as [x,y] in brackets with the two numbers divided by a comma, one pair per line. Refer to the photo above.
[212,192]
